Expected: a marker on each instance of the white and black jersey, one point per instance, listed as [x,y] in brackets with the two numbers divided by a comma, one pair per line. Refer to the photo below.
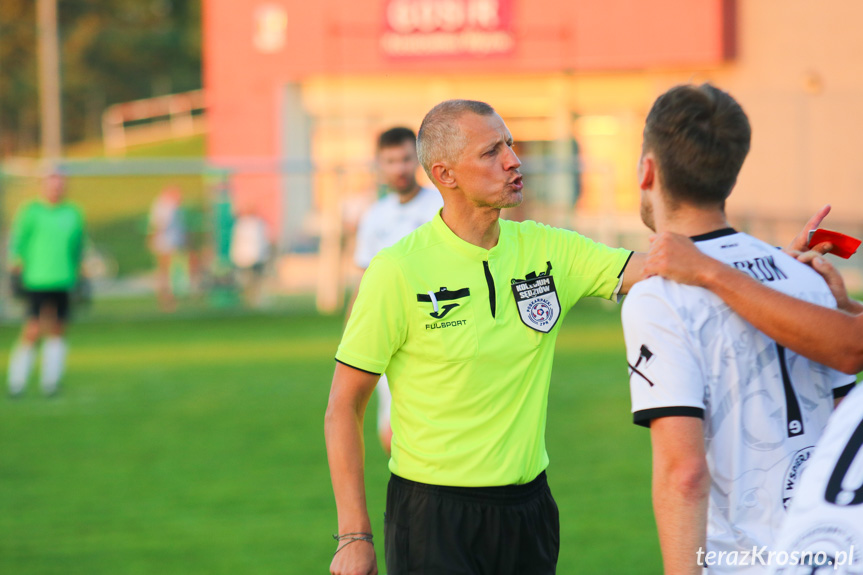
[823,532]
[388,220]
[763,406]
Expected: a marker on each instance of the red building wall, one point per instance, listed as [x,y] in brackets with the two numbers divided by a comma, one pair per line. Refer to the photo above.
[335,37]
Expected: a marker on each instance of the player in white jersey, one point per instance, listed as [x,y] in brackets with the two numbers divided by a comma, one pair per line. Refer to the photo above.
[406,207]
[823,532]
[733,417]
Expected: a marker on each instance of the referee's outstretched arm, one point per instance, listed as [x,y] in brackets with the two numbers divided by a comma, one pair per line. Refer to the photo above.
[831,337]
[343,428]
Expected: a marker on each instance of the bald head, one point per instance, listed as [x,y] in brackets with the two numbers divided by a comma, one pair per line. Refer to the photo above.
[440,137]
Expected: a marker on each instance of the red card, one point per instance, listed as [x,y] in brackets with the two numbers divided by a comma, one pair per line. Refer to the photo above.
[843,246]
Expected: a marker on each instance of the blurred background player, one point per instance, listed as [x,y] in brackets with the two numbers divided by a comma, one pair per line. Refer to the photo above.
[250,251]
[733,416]
[404,208]
[46,249]
[166,236]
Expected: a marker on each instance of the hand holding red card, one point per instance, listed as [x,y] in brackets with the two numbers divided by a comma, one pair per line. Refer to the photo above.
[843,246]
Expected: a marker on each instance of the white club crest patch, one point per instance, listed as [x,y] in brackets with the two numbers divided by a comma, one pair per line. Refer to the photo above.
[537,302]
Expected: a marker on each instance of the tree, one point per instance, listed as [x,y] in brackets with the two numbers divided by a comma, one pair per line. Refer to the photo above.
[111,51]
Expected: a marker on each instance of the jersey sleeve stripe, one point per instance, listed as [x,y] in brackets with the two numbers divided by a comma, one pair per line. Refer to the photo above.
[356,368]
[626,263]
[645,416]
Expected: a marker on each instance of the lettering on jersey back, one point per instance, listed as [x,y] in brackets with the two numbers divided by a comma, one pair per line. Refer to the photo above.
[762,269]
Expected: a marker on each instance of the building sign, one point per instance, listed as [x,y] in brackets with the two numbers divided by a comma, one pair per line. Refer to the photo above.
[433,28]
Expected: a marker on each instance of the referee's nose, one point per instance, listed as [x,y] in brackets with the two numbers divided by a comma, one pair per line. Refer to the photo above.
[511,161]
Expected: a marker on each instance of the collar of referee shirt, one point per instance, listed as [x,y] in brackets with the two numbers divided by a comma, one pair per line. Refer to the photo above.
[468,249]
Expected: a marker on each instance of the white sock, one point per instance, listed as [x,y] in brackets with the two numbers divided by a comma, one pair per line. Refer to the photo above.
[20,364]
[53,363]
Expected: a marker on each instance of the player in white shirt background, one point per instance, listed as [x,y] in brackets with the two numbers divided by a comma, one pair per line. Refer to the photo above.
[403,209]
[733,416]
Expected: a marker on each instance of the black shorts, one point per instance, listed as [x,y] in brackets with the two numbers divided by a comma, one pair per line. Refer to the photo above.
[436,530]
[38,300]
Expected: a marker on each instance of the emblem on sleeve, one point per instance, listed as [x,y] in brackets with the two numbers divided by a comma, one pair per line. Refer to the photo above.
[537,301]
[647,356]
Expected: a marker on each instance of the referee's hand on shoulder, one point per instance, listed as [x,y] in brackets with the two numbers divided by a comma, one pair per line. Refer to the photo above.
[356,559]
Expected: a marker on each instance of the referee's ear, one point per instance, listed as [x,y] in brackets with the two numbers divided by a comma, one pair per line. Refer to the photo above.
[443,175]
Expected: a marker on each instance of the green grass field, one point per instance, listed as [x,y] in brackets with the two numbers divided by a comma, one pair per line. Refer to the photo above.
[196,447]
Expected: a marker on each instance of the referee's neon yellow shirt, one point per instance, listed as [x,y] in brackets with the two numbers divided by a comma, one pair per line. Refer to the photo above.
[469,376]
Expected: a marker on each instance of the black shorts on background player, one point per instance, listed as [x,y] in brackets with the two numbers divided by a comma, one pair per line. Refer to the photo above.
[58,300]
[508,530]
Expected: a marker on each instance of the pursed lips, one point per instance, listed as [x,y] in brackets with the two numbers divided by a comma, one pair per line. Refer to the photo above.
[516,182]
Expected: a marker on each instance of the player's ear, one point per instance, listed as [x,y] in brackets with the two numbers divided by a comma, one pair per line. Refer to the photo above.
[646,171]
[443,175]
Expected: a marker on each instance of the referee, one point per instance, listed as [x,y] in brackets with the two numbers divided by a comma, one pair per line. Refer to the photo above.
[462,315]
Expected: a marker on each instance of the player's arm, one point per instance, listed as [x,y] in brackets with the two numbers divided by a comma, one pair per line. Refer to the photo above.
[79,247]
[349,395]
[681,487]
[831,337]
[21,227]
[667,388]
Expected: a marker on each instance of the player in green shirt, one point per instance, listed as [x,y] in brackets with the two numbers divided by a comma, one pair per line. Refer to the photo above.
[46,249]
[462,315]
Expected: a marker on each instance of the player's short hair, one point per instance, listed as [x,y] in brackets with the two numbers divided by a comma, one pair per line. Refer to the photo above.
[440,138]
[700,137]
[396,137]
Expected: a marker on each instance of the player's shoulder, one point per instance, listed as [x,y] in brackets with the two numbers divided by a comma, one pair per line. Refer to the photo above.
[409,246]
[734,247]
[75,209]
[657,295]
[651,288]
[381,206]
[771,263]
[430,195]
[31,206]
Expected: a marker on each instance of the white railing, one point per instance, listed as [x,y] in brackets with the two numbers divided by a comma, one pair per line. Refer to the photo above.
[153,120]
